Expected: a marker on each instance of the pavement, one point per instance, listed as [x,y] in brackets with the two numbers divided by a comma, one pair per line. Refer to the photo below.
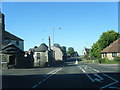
[69,75]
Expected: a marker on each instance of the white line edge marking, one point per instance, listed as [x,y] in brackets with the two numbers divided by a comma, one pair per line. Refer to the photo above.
[86,74]
[55,71]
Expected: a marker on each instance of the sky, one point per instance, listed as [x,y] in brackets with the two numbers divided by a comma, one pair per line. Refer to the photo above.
[81,23]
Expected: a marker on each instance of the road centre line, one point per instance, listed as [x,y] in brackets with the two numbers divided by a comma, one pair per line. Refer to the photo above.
[51,74]
[96,70]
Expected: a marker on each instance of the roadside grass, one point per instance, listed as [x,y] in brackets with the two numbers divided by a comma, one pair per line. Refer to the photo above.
[105,62]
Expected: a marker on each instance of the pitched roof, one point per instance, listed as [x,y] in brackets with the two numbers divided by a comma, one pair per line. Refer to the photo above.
[11,48]
[11,36]
[87,50]
[113,47]
[42,48]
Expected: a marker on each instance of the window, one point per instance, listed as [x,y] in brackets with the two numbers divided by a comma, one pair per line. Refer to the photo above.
[17,42]
[38,56]
[114,54]
[104,54]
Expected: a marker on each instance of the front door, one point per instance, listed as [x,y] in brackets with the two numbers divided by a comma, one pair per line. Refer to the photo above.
[11,60]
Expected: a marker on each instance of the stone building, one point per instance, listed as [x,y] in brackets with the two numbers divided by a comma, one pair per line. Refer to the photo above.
[12,56]
[12,49]
[7,37]
[43,56]
[58,53]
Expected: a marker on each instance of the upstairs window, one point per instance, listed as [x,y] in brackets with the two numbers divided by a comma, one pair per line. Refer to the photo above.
[17,42]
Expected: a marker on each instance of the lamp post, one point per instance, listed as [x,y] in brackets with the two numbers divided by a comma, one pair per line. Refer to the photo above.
[53,33]
[53,41]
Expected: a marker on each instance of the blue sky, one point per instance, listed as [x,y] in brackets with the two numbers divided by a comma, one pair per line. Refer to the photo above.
[82,23]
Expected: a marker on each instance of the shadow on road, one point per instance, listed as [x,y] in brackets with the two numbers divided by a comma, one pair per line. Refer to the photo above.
[58,81]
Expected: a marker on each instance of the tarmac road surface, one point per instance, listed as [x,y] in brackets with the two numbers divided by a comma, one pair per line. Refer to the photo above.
[69,75]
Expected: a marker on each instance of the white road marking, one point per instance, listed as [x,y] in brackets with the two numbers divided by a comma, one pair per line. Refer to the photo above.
[109,85]
[98,76]
[116,81]
[96,79]
[115,87]
[87,74]
[52,73]
[109,77]
[96,70]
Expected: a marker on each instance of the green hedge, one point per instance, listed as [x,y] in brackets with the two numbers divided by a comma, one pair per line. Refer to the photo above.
[103,60]
[117,58]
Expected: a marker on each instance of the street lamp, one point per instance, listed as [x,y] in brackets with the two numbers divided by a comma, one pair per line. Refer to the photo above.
[53,40]
[53,33]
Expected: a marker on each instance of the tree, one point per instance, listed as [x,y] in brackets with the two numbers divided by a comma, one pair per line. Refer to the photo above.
[95,51]
[71,51]
[63,49]
[105,40]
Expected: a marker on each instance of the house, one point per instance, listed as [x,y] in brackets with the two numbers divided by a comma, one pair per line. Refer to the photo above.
[112,50]
[43,56]
[58,53]
[12,55]
[11,46]
[8,37]
[85,51]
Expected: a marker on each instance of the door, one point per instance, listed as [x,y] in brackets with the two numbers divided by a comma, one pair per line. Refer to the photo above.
[11,60]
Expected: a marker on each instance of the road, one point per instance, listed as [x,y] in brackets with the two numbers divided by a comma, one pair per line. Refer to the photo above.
[69,75]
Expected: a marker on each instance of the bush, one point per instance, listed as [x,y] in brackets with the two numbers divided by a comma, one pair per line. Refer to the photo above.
[117,58]
[102,60]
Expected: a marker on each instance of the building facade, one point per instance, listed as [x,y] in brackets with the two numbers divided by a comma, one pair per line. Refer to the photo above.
[7,38]
[58,53]
[43,56]
[112,50]
[11,46]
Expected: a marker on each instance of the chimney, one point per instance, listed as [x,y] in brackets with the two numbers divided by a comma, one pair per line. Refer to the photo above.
[2,21]
[49,43]
[2,28]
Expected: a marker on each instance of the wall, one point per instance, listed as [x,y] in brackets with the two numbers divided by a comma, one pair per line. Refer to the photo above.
[43,59]
[58,53]
[109,56]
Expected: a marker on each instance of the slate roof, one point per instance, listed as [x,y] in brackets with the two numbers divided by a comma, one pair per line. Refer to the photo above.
[113,47]
[11,49]
[11,36]
[42,48]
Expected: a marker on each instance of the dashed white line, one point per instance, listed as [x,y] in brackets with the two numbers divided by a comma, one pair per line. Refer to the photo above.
[51,74]
[96,70]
